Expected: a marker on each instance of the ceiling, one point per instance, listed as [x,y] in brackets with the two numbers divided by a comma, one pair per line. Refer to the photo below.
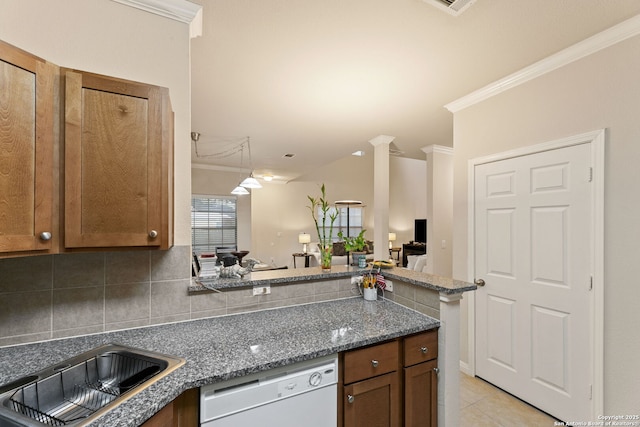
[319,79]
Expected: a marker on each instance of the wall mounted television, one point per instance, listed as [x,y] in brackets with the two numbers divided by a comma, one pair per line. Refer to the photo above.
[420,231]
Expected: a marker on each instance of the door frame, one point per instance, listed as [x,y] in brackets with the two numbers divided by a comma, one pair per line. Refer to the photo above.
[597,140]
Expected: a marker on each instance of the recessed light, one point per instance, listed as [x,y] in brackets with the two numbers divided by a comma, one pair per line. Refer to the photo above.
[358,153]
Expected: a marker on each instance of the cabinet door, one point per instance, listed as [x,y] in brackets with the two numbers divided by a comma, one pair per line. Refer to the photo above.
[26,151]
[421,395]
[372,403]
[117,157]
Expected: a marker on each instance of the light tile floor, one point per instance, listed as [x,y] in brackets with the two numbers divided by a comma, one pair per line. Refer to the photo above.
[483,405]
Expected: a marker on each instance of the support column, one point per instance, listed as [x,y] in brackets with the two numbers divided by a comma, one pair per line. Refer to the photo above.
[381,195]
[439,209]
[449,361]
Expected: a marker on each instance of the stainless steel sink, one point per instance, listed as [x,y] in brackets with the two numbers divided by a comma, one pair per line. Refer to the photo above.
[80,389]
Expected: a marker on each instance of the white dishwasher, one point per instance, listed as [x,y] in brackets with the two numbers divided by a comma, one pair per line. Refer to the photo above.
[304,393]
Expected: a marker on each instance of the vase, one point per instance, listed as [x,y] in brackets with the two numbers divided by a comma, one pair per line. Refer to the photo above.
[355,258]
[326,254]
[370,294]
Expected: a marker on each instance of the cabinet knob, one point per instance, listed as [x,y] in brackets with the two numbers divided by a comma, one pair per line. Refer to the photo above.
[374,363]
[45,235]
[153,234]
[424,350]
[436,370]
[350,398]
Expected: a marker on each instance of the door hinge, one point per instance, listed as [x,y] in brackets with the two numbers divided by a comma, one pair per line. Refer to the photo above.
[590,391]
[590,283]
[590,174]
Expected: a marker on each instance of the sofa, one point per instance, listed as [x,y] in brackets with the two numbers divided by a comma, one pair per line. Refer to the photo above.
[417,263]
[339,253]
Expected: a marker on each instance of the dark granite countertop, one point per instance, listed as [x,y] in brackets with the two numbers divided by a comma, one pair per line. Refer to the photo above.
[445,285]
[221,348]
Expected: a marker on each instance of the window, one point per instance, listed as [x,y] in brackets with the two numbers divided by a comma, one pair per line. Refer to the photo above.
[356,217]
[213,223]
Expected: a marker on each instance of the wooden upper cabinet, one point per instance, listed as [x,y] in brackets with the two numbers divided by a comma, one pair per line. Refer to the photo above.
[26,152]
[118,163]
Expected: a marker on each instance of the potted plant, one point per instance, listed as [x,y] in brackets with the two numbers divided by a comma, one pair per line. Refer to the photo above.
[325,232]
[355,245]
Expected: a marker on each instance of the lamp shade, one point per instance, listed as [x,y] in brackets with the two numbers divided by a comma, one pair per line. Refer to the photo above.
[392,237]
[304,238]
[250,182]
[239,191]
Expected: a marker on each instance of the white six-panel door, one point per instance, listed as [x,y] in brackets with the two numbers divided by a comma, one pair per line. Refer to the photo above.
[532,249]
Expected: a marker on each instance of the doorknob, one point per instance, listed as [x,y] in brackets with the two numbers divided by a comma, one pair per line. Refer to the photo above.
[479,282]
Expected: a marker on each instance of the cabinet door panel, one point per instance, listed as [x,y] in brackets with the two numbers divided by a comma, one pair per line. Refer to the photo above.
[26,150]
[373,402]
[421,395]
[114,162]
[114,180]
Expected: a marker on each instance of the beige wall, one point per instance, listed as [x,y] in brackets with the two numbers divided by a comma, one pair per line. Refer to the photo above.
[600,91]
[105,37]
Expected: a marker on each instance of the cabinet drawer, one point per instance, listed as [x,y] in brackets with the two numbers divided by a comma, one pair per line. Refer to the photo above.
[370,362]
[420,348]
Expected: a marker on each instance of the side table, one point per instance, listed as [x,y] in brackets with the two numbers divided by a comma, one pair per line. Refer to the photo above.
[397,251]
[300,254]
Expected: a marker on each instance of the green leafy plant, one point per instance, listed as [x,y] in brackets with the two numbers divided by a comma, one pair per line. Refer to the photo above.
[354,244]
[326,242]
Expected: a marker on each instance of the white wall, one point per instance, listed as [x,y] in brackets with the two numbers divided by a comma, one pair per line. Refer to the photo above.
[600,91]
[106,37]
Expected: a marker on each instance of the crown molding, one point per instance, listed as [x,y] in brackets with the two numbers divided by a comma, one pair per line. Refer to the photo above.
[441,149]
[589,46]
[178,10]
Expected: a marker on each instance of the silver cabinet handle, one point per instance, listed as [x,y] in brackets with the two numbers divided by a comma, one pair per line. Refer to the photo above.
[424,350]
[153,234]
[350,398]
[374,363]
[436,370]
[479,282]
[45,235]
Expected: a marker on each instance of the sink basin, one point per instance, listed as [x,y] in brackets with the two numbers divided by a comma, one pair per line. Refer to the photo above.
[79,390]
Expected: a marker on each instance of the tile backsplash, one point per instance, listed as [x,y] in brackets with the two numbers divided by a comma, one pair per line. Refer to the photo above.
[54,296]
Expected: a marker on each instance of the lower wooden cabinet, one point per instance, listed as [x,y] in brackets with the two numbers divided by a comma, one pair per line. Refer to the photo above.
[373,402]
[182,412]
[421,395]
[391,384]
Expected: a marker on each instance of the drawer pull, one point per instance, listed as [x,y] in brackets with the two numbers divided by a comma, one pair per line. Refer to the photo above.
[350,398]
[374,363]
[424,350]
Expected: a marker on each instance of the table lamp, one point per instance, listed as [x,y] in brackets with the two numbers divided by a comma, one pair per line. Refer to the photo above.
[304,238]
[392,238]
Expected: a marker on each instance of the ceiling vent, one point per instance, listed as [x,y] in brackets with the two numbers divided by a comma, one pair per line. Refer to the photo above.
[454,7]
